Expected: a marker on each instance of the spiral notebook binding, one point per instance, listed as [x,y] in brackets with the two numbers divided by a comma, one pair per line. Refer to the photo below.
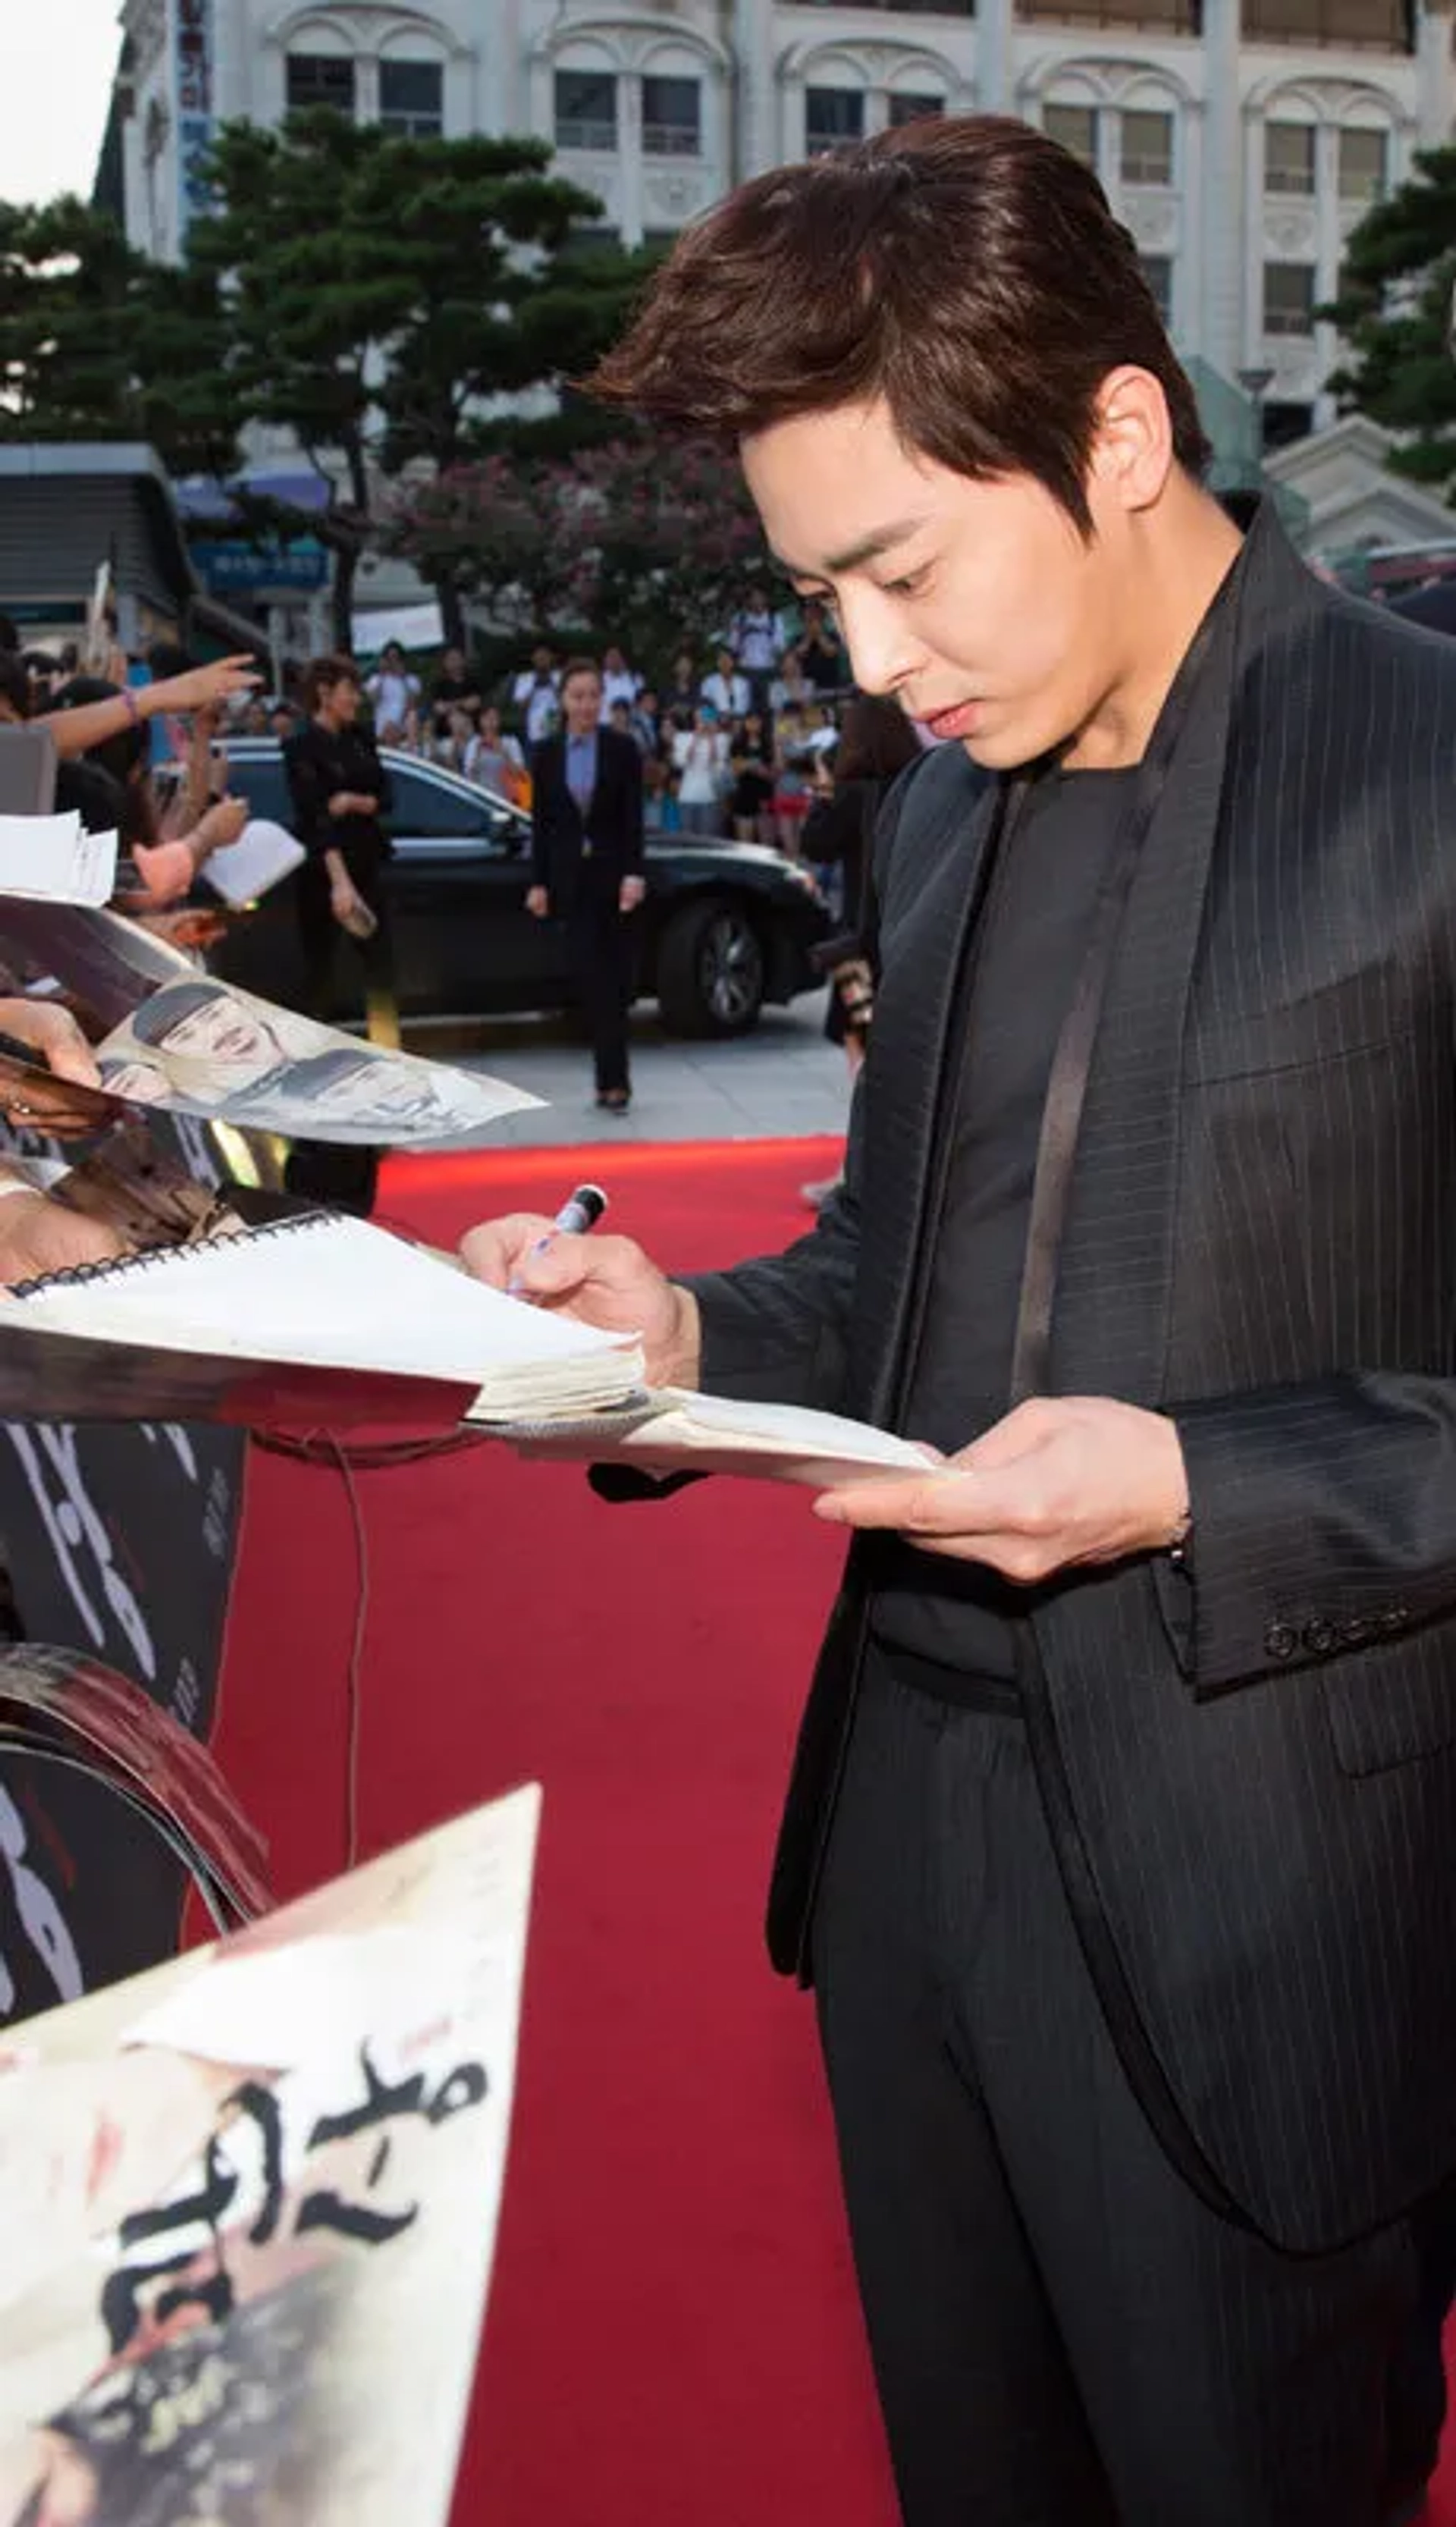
[116,1269]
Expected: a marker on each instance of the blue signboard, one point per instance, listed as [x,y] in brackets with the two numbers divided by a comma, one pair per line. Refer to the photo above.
[230,565]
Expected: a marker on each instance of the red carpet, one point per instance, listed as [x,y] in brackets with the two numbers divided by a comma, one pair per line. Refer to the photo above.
[672,2339]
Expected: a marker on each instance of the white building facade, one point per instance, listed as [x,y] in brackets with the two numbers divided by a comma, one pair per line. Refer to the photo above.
[1240,144]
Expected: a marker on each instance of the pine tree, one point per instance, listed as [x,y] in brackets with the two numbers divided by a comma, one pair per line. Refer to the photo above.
[1394,309]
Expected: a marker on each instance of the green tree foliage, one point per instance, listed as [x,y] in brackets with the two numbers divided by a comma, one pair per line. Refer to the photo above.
[1393,310]
[97,344]
[379,294]
[381,298]
[67,280]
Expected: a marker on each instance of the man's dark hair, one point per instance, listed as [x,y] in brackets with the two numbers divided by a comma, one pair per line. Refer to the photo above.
[153,1020]
[10,637]
[168,658]
[579,667]
[963,268]
[322,674]
[15,684]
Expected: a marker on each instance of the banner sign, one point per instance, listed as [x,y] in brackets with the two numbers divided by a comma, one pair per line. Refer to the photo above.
[228,564]
[193,44]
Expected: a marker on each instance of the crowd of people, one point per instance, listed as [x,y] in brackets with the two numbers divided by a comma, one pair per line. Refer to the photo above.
[759,737]
[731,737]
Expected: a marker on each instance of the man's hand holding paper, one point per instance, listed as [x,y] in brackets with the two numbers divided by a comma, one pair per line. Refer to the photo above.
[1062,1480]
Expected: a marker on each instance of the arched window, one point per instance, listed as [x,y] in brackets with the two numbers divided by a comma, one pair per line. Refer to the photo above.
[1073,123]
[833,111]
[672,101]
[319,69]
[1291,151]
[585,97]
[1146,142]
[1364,161]
[912,104]
[412,91]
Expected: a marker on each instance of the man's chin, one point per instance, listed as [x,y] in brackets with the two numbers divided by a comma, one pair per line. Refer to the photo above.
[994,750]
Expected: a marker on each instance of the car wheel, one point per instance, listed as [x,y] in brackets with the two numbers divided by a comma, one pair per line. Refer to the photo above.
[710,970]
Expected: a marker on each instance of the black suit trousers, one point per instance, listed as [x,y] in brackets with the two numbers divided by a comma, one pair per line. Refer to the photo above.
[344,1174]
[1064,2335]
[322,938]
[600,943]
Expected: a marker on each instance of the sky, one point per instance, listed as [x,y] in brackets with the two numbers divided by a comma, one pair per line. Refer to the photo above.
[58,60]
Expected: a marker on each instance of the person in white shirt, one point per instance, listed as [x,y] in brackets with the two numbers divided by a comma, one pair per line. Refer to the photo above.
[618,684]
[535,693]
[726,690]
[394,697]
[758,640]
[700,755]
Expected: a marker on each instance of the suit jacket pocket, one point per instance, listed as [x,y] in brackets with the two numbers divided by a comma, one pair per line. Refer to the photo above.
[1395,1704]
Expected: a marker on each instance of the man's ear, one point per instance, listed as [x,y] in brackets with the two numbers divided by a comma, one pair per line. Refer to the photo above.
[1132,451]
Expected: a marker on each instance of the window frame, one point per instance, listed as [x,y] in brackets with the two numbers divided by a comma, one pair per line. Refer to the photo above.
[662,138]
[1093,114]
[475,828]
[1276,178]
[923,107]
[817,144]
[1164,166]
[345,62]
[411,123]
[1281,331]
[595,125]
[1381,189]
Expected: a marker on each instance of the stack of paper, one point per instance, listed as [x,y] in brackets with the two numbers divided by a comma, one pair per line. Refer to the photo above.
[335,1293]
[53,860]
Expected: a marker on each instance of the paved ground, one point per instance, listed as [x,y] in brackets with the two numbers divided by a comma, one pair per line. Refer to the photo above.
[782,1081]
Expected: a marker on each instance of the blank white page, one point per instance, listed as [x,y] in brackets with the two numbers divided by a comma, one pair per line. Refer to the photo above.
[336,1293]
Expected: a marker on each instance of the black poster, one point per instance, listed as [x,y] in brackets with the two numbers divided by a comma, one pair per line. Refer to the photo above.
[116,1540]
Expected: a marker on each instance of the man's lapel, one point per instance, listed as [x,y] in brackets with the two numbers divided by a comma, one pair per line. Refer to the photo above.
[1111,1311]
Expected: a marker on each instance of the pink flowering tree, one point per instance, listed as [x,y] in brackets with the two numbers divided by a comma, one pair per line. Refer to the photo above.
[648,542]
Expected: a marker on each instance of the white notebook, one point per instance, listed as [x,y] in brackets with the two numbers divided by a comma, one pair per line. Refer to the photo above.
[53,860]
[335,1293]
[672,1431]
[263,855]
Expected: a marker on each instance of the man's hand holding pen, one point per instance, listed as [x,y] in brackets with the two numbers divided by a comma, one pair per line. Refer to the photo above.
[605,1281]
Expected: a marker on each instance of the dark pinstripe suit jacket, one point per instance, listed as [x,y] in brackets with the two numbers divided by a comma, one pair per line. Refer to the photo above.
[1255,1811]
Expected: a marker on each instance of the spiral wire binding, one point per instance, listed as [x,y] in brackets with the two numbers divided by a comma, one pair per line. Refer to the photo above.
[314,1447]
[116,1269]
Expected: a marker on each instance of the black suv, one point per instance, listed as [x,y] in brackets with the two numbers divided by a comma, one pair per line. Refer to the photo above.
[725,927]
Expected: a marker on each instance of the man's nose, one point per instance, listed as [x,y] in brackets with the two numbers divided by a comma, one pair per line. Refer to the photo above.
[883,652]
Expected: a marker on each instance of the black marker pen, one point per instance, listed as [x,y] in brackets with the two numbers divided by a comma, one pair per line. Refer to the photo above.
[578,1212]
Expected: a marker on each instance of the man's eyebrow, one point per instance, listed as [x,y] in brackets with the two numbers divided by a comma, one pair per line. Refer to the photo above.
[880,539]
